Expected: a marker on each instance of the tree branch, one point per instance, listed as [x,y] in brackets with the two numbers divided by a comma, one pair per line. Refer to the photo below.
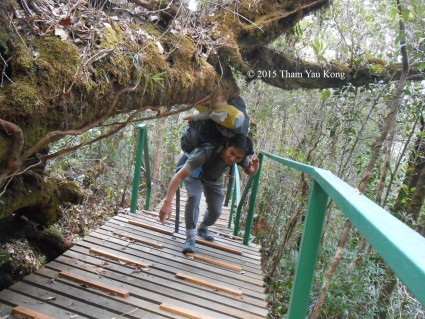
[55,135]
[163,114]
[17,137]
[286,72]
[111,132]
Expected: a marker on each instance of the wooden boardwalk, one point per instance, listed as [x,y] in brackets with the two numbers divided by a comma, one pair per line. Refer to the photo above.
[132,267]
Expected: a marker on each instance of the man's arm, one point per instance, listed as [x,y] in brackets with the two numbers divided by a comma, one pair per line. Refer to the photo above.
[165,211]
[253,167]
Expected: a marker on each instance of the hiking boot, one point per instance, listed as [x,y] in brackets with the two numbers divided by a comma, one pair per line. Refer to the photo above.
[189,245]
[205,234]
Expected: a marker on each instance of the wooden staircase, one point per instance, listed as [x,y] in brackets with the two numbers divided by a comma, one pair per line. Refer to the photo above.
[132,267]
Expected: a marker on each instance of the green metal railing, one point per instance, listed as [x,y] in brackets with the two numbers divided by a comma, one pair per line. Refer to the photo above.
[401,248]
[142,149]
[236,197]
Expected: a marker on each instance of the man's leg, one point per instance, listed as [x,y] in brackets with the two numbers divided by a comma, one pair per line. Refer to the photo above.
[214,197]
[191,212]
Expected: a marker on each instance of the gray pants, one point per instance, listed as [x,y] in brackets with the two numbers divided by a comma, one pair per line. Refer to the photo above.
[214,197]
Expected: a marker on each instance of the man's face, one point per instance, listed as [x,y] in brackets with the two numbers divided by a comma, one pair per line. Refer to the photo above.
[232,155]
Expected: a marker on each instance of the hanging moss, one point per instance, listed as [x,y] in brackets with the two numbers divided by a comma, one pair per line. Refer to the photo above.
[377,66]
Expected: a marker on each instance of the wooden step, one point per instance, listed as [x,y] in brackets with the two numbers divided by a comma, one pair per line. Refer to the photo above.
[28,313]
[209,284]
[139,239]
[93,283]
[219,247]
[147,226]
[124,260]
[182,312]
[214,262]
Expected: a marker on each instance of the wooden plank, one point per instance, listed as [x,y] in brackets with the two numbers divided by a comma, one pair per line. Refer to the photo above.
[138,239]
[145,219]
[172,257]
[214,262]
[14,298]
[145,310]
[251,264]
[173,262]
[76,299]
[227,235]
[182,312]
[28,313]
[209,284]
[147,226]
[93,283]
[219,247]
[150,213]
[119,258]
[163,282]
[156,294]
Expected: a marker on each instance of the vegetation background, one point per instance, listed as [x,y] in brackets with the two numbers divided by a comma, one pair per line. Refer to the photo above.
[336,129]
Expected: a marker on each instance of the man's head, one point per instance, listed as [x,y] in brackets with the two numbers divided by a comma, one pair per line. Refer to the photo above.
[237,148]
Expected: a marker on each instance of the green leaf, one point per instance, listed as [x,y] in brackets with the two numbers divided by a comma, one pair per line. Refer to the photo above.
[421,66]
[394,13]
[405,14]
[326,94]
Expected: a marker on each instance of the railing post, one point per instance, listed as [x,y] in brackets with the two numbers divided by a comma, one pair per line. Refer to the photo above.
[137,168]
[147,169]
[310,242]
[252,200]
[230,185]
[177,221]
[236,195]
[241,202]
[232,206]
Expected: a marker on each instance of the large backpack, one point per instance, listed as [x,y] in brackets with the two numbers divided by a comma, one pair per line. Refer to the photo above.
[239,103]
[201,132]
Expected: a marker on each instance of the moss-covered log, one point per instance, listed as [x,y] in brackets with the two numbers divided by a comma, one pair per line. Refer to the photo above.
[37,198]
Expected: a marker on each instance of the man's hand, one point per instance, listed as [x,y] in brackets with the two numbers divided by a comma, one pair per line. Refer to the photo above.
[255,164]
[253,167]
[165,212]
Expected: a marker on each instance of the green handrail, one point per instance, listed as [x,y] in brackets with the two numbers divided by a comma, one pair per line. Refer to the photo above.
[142,149]
[240,205]
[236,197]
[402,248]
